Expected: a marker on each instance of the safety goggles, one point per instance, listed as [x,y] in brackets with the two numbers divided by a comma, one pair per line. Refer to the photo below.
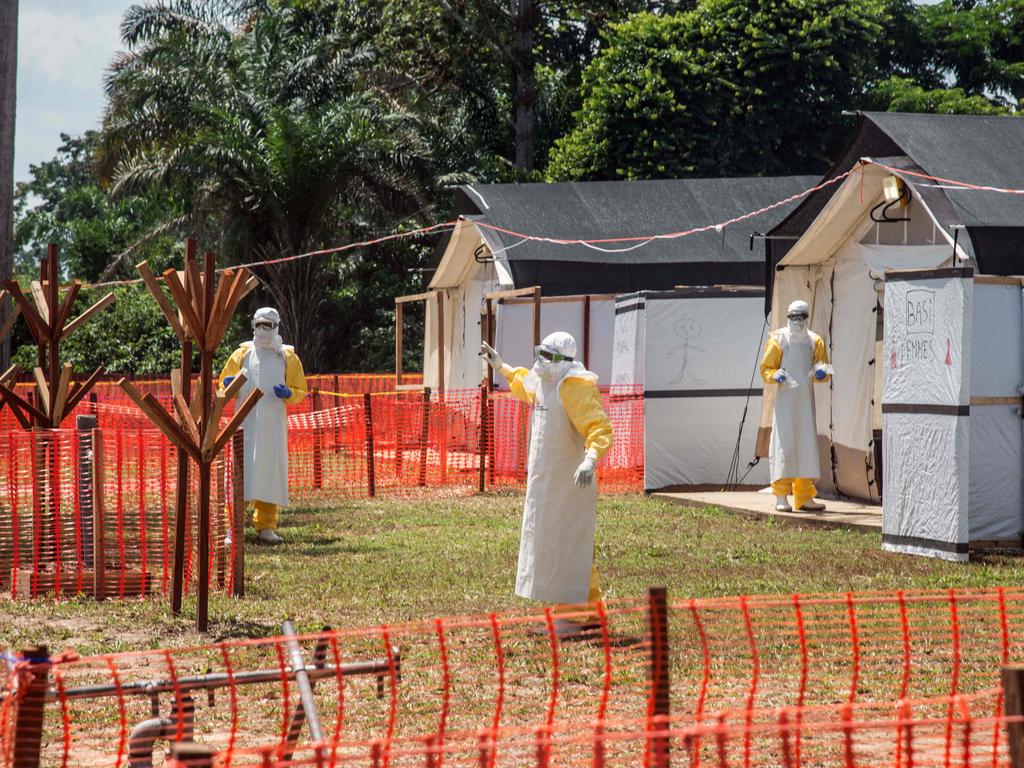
[798,316]
[264,325]
[551,357]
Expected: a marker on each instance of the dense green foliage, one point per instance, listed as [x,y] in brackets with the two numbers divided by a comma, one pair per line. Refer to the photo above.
[269,128]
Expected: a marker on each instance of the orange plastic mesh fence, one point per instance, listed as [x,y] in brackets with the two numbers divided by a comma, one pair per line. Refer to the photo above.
[383,444]
[898,679]
[54,527]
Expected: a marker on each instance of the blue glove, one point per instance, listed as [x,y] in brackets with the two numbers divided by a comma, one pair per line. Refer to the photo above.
[227,381]
[820,374]
[282,391]
[780,377]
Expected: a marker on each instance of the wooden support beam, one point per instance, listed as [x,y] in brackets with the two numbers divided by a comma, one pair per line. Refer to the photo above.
[414,297]
[194,287]
[192,324]
[61,400]
[44,388]
[212,426]
[68,304]
[8,324]
[536,316]
[231,390]
[99,552]
[398,344]
[440,344]
[185,419]
[160,418]
[169,312]
[86,316]
[82,389]
[17,401]
[39,297]
[36,325]
[236,420]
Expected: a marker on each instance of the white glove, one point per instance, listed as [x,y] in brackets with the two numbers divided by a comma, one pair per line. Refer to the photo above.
[585,471]
[491,356]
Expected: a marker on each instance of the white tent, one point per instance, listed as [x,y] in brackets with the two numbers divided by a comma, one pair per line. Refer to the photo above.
[952,412]
[695,352]
[838,267]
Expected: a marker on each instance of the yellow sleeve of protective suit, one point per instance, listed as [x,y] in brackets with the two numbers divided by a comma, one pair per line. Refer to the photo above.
[233,366]
[772,360]
[294,377]
[582,401]
[820,356]
[514,377]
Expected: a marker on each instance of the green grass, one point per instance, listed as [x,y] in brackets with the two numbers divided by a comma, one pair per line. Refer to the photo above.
[369,562]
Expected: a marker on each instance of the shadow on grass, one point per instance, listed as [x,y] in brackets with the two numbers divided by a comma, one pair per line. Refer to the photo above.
[235,628]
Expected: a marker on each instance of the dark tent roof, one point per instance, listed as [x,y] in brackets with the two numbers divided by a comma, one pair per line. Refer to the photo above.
[980,149]
[608,209]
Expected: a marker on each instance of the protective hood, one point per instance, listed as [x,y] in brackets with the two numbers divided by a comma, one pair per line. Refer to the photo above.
[266,338]
[797,326]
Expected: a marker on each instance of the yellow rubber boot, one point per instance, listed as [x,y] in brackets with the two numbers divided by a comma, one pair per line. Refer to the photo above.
[804,493]
[264,515]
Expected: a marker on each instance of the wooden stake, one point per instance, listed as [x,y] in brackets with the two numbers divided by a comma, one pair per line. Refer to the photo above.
[31,708]
[99,550]
[658,672]
[1013,698]
[371,479]
[238,502]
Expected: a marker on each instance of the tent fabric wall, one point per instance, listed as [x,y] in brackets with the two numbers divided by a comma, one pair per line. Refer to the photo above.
[513,336]
[926,410]
[699,350]
[628,349]
[996,499]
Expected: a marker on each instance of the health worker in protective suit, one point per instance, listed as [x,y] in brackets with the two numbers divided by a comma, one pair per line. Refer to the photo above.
[570,432]
[275,369]
[794,360]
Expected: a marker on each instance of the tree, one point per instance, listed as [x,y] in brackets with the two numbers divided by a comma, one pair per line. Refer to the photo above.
[261,122]
[900,94]
[730,88]
[64,203]
[8,91]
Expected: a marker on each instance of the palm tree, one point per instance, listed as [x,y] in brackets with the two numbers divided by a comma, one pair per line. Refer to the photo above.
[265,125]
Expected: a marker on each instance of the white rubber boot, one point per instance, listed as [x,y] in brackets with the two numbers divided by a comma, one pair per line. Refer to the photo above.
[782,504]
[813,506]
[268,536]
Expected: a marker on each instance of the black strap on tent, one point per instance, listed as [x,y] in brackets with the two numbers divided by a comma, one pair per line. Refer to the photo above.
[733,479]
[833,458]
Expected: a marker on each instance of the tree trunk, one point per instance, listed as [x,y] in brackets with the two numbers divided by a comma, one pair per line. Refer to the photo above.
[298,291]
[526,85]
[8,83]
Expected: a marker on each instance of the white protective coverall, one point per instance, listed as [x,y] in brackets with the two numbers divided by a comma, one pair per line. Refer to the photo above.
[556,549]
[267,363]
[793,451]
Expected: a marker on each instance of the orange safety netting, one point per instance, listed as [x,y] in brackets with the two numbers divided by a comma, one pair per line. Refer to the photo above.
[363,445]
[72,499]
[857,679]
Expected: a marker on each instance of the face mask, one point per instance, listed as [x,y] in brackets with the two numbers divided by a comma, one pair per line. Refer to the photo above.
[797,325]
[264,337]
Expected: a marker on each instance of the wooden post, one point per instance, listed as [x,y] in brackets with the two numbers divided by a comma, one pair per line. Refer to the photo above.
[85,489]
[31,708]
[658,673]
[238,502]
[586,331]
[1013,706]
[371,480]
[318,443]
[424,437]
[181,487]
[536,316]
[482,485]
[203,595]
[399,445]
[489,338]
[99,549]
[337,421]
[398,344]
[440,343]
[221,524]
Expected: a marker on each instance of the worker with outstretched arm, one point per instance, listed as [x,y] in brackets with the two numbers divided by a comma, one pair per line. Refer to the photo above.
[570,433]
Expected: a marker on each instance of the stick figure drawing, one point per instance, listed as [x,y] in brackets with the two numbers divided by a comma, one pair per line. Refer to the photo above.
[687,329]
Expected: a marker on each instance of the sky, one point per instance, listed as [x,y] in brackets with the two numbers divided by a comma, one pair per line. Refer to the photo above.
[64,46]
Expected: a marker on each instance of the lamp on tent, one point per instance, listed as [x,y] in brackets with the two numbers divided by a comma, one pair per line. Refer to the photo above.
[895,191]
